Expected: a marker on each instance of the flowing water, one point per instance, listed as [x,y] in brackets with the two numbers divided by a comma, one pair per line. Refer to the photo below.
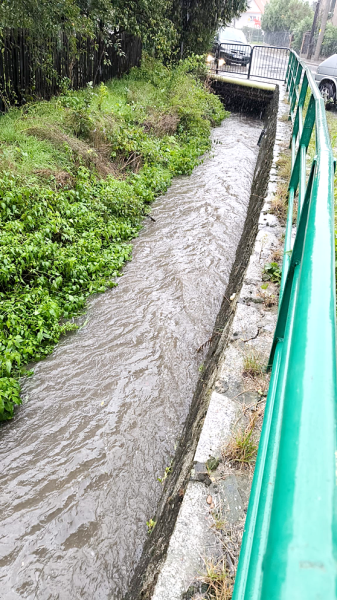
[101,416]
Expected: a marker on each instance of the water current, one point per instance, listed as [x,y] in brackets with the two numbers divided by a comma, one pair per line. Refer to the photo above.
[101,415]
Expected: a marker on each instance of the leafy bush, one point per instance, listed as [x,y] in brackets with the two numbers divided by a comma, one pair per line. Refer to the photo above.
[329,45]
[66,230]
[285,15]
[299,31]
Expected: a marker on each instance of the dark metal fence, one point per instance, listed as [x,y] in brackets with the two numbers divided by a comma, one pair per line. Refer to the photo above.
[232,58]
[31,69]
[267,62]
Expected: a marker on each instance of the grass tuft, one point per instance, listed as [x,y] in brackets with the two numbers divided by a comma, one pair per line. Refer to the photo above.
[219,521]
[241,448]
[253,364]
[216,577]
[279,203]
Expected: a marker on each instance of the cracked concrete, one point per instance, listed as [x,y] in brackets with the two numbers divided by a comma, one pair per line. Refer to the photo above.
[222,495]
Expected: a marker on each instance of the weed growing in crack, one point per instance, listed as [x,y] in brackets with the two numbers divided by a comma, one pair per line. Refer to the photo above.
[277,255]
[150,525]
[219,583]
[269,299]
[168,470]
[219,520]
[272,272]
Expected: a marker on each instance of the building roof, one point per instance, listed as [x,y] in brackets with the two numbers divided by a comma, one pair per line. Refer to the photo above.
[261,4]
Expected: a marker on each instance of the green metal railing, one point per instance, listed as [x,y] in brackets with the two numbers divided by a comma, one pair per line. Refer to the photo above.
[289,547]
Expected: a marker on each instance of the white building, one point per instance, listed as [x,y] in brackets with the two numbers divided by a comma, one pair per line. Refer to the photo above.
[252,17]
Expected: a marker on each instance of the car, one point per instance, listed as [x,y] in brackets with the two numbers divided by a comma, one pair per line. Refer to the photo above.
[326,78]
[233,45]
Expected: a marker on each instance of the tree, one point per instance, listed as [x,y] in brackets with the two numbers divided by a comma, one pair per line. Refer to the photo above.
[196,21]
[285,15]
[165,26]
[329,45]
[299,31]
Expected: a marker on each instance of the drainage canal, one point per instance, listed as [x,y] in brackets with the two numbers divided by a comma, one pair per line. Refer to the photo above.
[102,415]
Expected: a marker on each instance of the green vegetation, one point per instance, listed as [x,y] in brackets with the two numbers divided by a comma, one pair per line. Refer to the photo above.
[167,472]
[150,525]
[217,579]
[272,272]
[218,519]
[329,44]
[168,28]
[300,29]
[77,176]
[285,15]
[241,448]
[253,364]
[279,204]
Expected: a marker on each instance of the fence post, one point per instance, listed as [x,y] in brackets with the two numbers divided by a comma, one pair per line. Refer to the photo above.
[250,62]
[217,55]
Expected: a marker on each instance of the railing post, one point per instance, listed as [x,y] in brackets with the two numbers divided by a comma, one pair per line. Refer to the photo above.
[250,63]
[217,55]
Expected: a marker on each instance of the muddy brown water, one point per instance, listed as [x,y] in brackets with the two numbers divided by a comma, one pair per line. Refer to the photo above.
[102,415]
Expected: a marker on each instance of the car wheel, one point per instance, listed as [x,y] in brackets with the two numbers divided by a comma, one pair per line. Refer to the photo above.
[327,91]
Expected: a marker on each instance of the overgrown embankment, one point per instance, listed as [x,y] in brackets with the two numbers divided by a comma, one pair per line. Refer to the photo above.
[77,176]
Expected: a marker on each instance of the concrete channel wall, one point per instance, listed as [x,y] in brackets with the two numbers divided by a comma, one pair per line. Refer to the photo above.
[170,564]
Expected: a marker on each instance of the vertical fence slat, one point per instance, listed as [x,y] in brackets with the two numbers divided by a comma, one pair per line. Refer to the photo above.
[24,72]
